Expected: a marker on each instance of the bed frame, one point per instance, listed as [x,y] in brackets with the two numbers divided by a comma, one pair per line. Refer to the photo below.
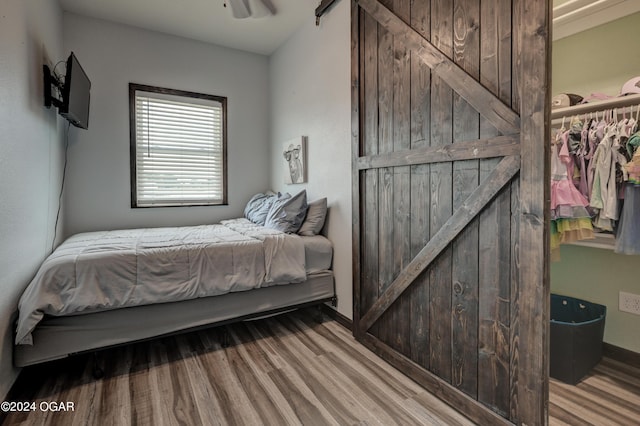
[59,337]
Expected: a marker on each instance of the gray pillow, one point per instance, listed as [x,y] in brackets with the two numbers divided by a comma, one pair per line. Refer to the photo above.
[258,207]
[287,214]
[254,205]
[314,221]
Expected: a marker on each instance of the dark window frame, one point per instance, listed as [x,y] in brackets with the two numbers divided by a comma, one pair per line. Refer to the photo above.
[133,88]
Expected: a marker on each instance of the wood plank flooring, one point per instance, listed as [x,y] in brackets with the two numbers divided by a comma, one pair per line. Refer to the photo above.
[286,370]
[609,395]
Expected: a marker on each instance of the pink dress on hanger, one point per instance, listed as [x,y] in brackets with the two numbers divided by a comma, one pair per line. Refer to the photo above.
[570,220]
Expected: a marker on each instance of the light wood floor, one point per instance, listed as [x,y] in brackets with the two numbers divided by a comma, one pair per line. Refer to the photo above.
[284,370]
[278,371]
[608,396]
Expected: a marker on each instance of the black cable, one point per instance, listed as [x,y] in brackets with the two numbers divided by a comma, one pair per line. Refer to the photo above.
[56,66]
[64,174]
[60,78]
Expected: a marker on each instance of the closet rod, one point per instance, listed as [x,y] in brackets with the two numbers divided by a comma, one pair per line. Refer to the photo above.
[620,102]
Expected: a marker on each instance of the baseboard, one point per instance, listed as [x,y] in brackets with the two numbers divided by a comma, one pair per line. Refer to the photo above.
[338,317]
[620,354]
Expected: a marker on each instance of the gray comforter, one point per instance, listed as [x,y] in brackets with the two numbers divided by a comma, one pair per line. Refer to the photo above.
[98,271]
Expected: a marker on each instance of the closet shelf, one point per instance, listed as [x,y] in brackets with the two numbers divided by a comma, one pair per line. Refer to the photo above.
[602,241]
[619,102]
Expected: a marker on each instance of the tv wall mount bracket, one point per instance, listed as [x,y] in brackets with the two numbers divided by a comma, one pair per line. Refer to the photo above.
[52,81]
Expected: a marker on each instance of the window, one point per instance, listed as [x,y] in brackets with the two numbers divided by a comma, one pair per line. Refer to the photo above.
[178,147]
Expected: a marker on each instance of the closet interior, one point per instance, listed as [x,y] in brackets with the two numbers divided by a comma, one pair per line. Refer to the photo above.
[593,144]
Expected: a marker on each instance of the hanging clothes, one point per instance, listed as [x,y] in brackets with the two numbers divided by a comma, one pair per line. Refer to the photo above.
[604,194]
[592,163]
[570,220]
[628,235]
[595,166]
[606,173]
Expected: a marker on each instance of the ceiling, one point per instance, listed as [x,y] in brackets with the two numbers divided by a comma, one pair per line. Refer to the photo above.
[573,16]
[211,22]
[204,20]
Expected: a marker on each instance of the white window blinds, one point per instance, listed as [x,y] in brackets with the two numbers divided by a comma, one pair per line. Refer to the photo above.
[179,150]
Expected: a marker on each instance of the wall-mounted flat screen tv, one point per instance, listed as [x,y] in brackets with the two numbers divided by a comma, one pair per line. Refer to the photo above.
[75,94]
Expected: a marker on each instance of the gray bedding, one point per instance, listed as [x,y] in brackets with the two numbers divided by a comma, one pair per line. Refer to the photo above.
[99,271]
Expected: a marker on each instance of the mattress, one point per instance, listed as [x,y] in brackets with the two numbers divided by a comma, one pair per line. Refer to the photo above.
[99,271]
[58,337]
[318,253]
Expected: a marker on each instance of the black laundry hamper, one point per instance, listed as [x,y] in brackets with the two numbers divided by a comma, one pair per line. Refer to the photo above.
[576,332]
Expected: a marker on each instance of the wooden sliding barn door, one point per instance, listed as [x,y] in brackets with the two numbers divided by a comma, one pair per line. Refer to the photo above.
[450,181]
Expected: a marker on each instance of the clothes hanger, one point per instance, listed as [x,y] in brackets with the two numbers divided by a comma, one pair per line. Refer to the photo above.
[633,121]
[556,139]
[574,120]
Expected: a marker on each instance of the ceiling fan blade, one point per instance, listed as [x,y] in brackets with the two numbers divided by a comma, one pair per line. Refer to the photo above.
[239,8]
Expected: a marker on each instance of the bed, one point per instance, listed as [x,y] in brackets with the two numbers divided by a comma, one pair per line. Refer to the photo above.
[107,288]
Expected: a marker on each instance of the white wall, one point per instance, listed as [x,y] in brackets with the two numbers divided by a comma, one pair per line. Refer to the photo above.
[31,155]
[310,96]
[98,192]
[574,72]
